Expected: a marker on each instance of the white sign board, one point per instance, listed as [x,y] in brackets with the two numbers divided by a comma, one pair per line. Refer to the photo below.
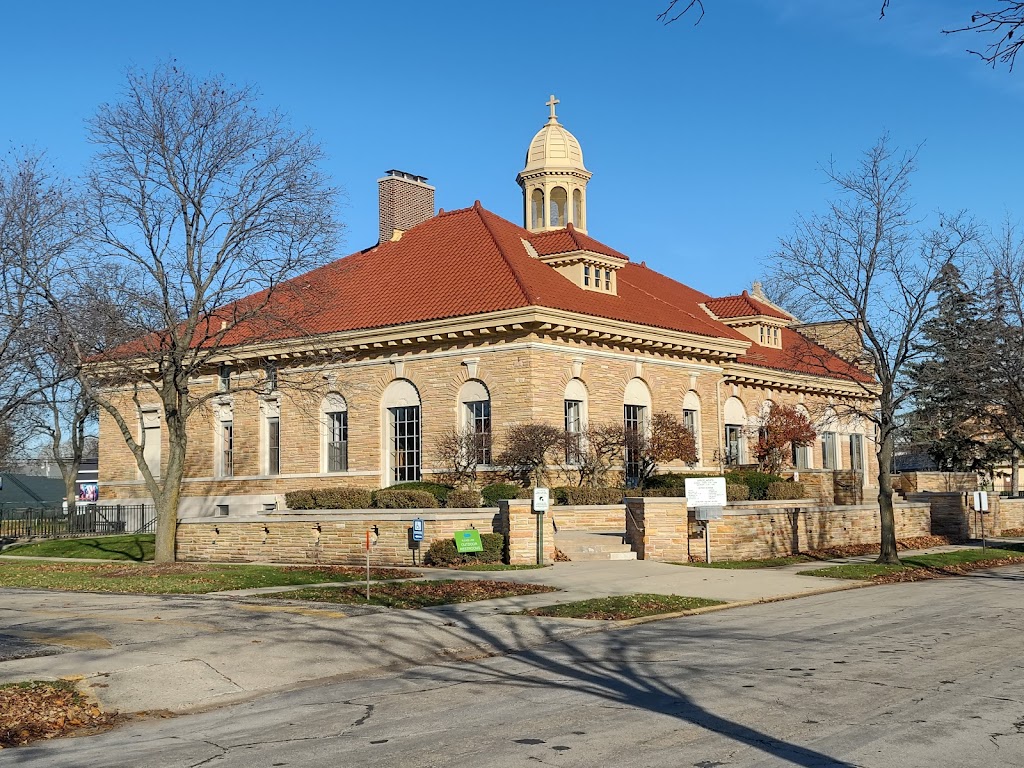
[705,491]
[981,501]
[541,500]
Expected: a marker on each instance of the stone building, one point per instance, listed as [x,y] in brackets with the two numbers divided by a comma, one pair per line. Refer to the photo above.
[466,319]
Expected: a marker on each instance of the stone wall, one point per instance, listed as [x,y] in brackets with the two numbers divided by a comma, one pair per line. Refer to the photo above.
[743,534]
[935,482]
[1011,514]
[656,528]
[321,537]
[953,514]
[517,522]
[596,517]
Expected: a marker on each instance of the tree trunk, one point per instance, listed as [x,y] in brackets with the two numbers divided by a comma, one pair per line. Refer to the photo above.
[887,554]
[1014,470]
[166,501]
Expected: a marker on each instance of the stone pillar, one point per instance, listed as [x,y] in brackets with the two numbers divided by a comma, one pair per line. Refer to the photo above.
[519,525]
[657,528]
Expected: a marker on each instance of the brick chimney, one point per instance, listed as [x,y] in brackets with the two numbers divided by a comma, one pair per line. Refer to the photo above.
[405,201]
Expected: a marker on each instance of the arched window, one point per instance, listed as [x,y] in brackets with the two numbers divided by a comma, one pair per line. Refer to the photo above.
[334,431]
[735,429]
[636,417]
[475,417]
[575,407]
[537,209]
[802,457]
[691,417]
[577,209]
[559,205]
[403,444]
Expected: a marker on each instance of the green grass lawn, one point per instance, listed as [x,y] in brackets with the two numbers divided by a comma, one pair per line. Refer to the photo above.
[176,579]
[939,563]
[137,547]
[418,594]
[623,607]
[767,562]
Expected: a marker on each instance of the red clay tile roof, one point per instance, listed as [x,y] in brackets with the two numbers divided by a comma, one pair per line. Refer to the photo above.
[743,305]
[801,355]
[471,261]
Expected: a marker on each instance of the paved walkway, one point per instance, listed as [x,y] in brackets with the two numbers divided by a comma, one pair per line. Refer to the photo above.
[144,652]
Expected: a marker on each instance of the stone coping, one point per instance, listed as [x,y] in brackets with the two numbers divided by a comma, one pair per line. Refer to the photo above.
[328,515]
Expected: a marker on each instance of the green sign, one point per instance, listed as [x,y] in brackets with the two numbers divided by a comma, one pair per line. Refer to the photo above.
[468,541]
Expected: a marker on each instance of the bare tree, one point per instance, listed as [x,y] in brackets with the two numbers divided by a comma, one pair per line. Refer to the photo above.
[1001,25]
[528,450]
[867,261]
[664,439]
[35,230]
[458,454]
[199,208]
[591,453]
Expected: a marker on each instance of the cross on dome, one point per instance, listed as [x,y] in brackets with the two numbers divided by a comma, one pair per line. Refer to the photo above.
[552,118]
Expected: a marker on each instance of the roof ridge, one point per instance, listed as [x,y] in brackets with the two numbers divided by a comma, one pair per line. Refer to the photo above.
[674,306]
[516,274]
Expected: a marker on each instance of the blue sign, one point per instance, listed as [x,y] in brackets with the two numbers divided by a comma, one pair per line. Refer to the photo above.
[417,529]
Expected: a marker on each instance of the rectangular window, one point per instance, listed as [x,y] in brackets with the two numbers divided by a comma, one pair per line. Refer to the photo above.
[828,450]
[224,378]
[227,434]
[337,441]
[635,422]
[733,444]
[151,441]
[478,418]
[586,275]
[573,430]
[607,279]
[405,443]
[801,456]
[690,420]
[274,445]
[857,453]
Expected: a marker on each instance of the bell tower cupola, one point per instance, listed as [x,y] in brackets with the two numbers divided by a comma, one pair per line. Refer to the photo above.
[554,180]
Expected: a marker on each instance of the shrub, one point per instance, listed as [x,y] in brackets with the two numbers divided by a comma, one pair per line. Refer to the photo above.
[389,498]
[674,491]
[574,496]
[443,552]
[329,498]
[736,492]
[343,498]
[461,499]
[497,491]
[439,491]
[671,480]
[757,482]
[786,490]
[299,500]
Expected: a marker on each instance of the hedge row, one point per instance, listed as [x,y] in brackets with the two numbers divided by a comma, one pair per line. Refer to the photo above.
[444,553]
[786,490]
[574,496]
[757,482]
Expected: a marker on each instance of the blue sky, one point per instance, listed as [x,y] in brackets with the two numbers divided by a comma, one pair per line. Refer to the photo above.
[704,141]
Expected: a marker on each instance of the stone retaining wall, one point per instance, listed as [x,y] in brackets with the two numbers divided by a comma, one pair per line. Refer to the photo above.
[743,534]
[327,537]
[935,482]
[591,517]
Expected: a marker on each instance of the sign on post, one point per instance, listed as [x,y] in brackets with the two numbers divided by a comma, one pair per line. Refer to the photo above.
[418,529]
[981,501]
[541,500]
[705,491]
[468,541]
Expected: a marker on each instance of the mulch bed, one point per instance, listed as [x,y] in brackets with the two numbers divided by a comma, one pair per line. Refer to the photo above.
[855,550]
[44,710]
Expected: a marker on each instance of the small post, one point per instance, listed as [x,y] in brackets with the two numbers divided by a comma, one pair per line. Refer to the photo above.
[541,503]
[707,541]
[540,538]
[367,565]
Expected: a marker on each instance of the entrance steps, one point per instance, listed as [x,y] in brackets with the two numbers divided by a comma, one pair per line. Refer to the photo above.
[591,545]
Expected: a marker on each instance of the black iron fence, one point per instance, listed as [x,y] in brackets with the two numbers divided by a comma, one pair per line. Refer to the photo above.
[85,520]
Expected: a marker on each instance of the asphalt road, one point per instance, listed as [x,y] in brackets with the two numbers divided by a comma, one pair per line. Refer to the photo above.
[922,674]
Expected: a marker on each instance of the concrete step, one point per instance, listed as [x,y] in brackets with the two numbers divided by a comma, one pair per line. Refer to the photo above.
[588,545]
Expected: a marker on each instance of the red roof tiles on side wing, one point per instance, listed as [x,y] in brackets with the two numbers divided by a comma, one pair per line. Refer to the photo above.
[743,305]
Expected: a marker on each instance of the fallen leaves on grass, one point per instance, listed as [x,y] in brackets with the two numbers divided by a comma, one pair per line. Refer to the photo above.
[856,550]
[44,710]
[418,594]
[937,572]
[621,607]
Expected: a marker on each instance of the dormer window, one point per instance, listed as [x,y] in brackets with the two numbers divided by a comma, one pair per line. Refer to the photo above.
[586,275]
[607,279]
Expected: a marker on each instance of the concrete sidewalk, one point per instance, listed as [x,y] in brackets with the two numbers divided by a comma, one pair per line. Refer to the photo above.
[178,653]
